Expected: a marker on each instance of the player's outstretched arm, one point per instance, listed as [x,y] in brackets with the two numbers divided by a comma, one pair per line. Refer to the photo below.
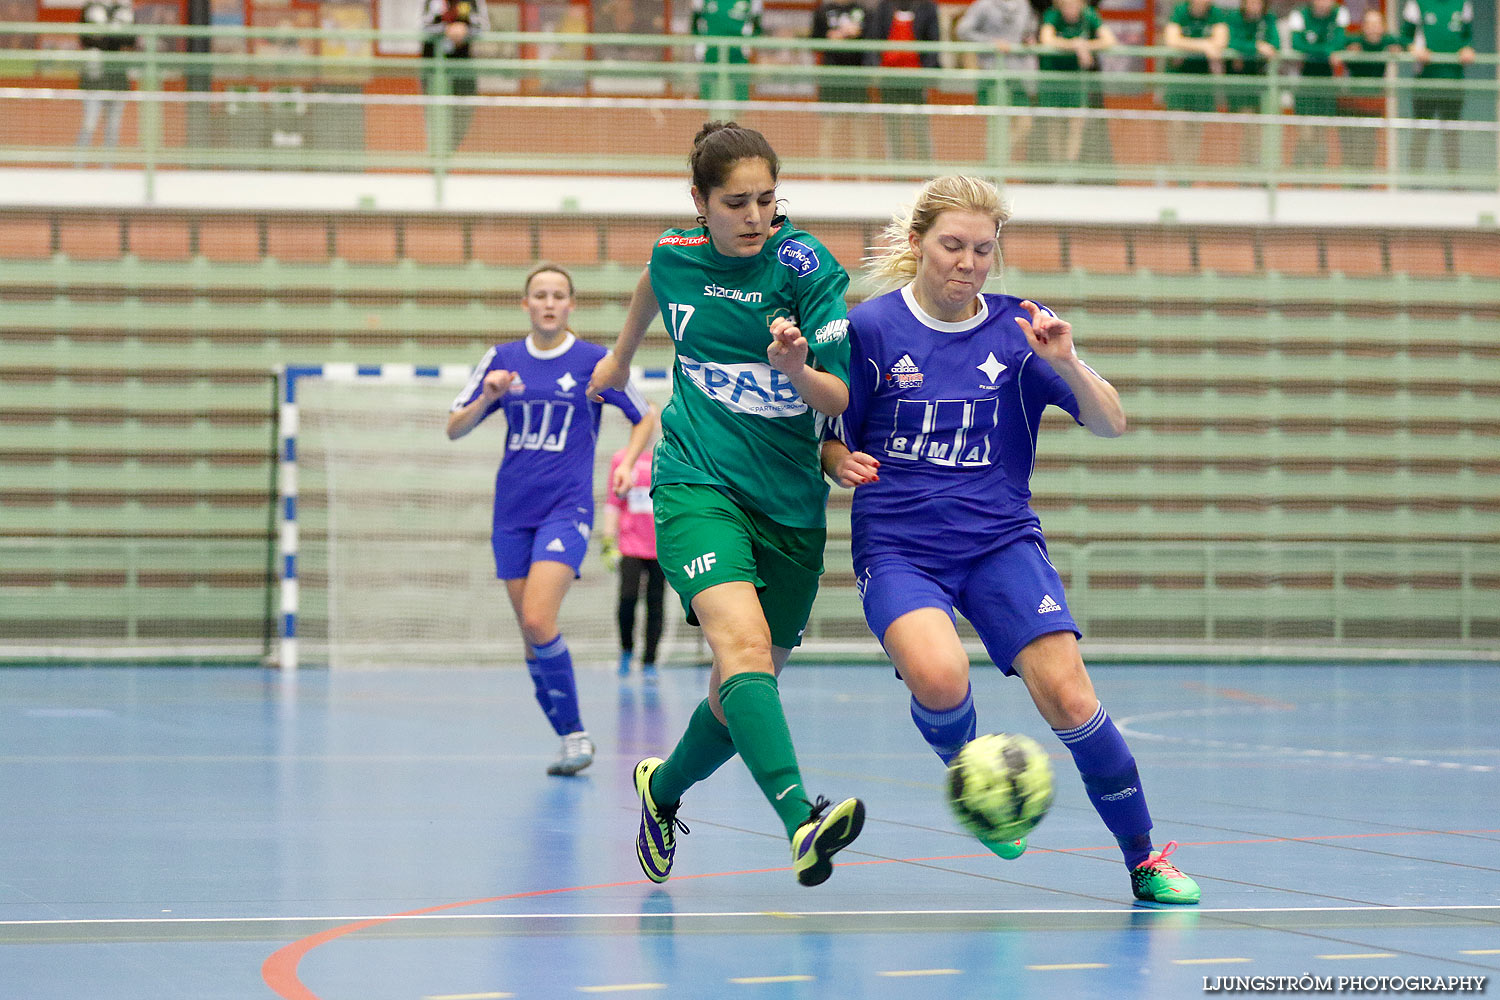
[848,468]
[640,436]
[787,353]
[1051,338]
[613,370]
[496,384]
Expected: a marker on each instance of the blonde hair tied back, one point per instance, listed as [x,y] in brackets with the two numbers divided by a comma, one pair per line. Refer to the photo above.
[894,262]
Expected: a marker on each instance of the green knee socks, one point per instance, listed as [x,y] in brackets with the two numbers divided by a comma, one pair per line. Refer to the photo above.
[703,748]
[752,704]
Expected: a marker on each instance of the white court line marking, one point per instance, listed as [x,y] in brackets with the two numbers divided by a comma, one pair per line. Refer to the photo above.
[1367,954]
[920,972]
[1127,723]
[1207,961]
[636,915]
[748,980]
[1068,967]
[1481,951]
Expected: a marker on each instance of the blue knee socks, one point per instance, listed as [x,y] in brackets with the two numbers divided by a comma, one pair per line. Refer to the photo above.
[556,690]
[1114,787]
[946,731]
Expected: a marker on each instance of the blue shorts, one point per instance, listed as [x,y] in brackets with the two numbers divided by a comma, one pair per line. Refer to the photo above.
[562,539]
[1011,595]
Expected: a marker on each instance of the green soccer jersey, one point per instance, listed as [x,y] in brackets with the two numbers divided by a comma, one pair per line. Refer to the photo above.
[1244,34]
[731,18]
[1370,67]
[1317,37]
[1446,26]
[1087,26]
[733,421]
[1193,27]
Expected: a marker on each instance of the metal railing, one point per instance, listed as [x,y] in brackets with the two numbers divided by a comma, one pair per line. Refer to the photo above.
[277,99]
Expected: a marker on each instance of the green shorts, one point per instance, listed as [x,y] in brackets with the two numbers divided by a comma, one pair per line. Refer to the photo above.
[704,538]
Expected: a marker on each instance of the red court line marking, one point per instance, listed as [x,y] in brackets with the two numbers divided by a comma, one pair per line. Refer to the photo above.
[1235,694]
[279,971]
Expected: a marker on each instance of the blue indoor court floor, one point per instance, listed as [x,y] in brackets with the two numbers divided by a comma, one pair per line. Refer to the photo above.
[236,833]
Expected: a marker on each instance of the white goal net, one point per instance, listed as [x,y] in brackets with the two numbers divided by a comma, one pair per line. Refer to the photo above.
[386,531]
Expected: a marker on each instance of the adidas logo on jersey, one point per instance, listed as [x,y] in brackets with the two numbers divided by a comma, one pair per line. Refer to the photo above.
[1048,605]
[556,545]
[905,374]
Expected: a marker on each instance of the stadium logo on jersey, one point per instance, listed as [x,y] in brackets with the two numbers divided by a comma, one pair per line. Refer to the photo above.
[799,257]
[755,388]
[682,241]
[904,374]
[713,291]
[833,330]
[992,370]
[776,314]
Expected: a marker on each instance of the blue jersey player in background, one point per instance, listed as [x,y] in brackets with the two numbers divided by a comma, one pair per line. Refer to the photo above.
[544,491]
[947,388]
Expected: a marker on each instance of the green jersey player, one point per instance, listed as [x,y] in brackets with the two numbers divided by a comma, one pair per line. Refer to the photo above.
[756,312]
[725,19]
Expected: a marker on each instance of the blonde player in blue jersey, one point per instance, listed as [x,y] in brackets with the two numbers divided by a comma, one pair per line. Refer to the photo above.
[544,491]
[755,309]
[947,391]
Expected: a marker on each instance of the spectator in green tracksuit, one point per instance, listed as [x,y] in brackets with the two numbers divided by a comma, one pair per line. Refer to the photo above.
[1078,34]
[1197,30]
[1318,32]
[725,19]
[1438,26]
[1253,40]
[1369,56]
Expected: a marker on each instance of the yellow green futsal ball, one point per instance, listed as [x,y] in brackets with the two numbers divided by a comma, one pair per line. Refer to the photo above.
[1000,786]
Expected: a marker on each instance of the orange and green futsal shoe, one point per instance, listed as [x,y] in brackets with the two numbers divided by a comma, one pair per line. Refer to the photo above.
[1007,849]
[1157,880]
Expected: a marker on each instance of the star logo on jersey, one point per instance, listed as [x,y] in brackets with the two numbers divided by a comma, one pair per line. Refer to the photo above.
[904,374]
[567,382]
[991,369]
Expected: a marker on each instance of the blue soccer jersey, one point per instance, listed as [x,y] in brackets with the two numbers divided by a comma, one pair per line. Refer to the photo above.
[951,411]
[548,468]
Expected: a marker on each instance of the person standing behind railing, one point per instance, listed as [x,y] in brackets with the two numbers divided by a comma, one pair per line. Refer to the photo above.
[1005,24]
[1197,29]
[449,26]
[905,21]
[99,77]
[1366,97]
[1441,26]
[1253,40]
[840,21]
[1318,30]
[724,19]
[1078,30]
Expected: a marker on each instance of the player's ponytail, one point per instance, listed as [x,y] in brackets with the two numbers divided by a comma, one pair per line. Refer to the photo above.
[894,262]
